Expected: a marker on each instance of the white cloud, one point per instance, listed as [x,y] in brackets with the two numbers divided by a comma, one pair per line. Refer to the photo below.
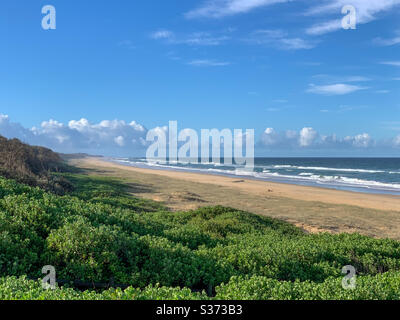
[204,39]
[367,11]
[276,38]
[162,34]
[324,27]
[274,139]
[391,63]
[222,8]
[295,44]
[396,141]
[208,63]
[388,42]
[309,138]
[356,79]
[334,89]
[107,136]
[13,130]
[270,137]
[120,140]
[279,39]
[339,79]
[193,39]
[361,141]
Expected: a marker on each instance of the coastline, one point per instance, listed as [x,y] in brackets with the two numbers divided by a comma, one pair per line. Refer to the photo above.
[312,208]
[310,174]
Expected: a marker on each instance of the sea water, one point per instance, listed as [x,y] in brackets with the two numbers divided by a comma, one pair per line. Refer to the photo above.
[372,175]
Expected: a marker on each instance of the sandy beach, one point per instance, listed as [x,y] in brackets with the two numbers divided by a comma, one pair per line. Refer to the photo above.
[314,209]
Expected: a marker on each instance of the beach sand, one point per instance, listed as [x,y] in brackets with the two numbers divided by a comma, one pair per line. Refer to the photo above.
[311,208]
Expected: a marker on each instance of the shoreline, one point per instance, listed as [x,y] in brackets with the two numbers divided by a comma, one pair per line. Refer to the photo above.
[280,180]
[328,195]
[311,208]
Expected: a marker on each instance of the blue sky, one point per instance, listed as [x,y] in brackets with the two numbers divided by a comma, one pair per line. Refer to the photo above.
[273,65]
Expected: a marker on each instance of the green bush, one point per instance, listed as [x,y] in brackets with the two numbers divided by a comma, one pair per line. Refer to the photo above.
[12,288]
[99,233]
[383,286]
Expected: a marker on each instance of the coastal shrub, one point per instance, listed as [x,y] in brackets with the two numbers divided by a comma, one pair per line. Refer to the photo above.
[380,287]
[383,287]
[99,233]
[12,288]
[81,251]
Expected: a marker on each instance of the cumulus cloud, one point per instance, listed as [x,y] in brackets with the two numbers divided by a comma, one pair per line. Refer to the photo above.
[12,130]
[270,137]
[362,140]
[106,137]
[309,138]
[120,138]
[396,141]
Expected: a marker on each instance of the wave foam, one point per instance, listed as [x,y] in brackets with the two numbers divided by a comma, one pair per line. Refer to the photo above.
[327,169]
[304,177]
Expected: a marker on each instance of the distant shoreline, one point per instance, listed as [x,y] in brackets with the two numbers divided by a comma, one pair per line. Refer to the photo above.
[288,185]
[313,209]
[351,185]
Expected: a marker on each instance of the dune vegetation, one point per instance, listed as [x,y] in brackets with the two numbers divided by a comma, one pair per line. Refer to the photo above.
[32,165]
[98,233]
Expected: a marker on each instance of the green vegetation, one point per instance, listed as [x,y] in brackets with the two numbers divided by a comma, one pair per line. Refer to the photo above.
[99,233]
[32,165]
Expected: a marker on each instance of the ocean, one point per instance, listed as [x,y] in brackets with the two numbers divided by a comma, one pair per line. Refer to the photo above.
[370,175]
